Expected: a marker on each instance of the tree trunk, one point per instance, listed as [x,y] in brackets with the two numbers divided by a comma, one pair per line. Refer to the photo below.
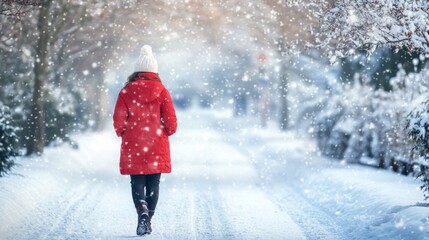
[284,88]
[284,115]
[37,116]
[102,100]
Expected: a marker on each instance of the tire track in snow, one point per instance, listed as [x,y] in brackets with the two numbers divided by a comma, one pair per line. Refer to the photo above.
[50,220]
[315,223]
[212,220]
[92,211]
[73,215]
[193,211]
[74,208]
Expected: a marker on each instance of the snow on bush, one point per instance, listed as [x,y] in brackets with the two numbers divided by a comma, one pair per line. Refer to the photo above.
[8,138]
[418,127]
[358,122]
[61,114]
[341,126]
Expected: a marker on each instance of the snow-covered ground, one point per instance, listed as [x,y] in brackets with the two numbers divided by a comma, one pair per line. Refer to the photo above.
[230,180]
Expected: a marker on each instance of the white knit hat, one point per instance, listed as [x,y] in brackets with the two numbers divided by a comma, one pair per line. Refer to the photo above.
[146,61]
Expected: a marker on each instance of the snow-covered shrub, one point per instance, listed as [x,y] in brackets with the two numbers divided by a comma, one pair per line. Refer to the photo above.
[417,125]
[8,139]
[392,112]
[357,118]
[359,123]
[61,107]
[340,126]
[325,123]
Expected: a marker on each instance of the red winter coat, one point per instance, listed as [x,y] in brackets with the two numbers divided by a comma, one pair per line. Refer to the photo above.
[144,117]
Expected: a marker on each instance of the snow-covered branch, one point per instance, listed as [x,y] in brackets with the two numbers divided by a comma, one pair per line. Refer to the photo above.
[347,25]
[16,7]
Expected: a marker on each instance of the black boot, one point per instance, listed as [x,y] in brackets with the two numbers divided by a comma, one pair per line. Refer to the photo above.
[143,219]
[149,224]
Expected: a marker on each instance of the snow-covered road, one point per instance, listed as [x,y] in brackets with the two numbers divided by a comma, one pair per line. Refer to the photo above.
[230,181]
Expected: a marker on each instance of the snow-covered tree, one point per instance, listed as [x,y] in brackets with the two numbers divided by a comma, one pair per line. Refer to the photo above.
[8,139]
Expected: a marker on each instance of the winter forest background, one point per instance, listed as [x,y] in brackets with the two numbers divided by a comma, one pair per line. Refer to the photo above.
[351,74]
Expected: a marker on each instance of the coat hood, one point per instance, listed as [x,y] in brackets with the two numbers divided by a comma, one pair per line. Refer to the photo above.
[145,88]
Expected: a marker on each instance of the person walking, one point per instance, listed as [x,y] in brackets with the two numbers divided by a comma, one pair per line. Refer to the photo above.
[144,117]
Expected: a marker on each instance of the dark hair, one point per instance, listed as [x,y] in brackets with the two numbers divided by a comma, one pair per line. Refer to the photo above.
[133,77]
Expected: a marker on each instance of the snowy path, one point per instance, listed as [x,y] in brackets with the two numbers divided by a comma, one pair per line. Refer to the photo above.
[229,181]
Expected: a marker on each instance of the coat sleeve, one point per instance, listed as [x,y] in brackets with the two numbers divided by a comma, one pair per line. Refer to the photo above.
[120,116]
[168,114]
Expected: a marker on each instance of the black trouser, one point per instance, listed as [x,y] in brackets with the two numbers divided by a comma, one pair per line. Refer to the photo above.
[138,185]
